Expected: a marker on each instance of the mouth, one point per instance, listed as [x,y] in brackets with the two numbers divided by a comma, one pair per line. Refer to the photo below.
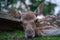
[30,34]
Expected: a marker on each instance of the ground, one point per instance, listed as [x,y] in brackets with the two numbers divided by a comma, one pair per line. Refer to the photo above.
[20,35]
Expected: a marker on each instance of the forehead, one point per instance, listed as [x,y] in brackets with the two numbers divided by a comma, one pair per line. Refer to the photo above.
[27,16]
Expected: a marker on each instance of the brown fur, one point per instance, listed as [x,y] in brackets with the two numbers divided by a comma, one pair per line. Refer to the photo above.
[28,19]
[15,13]
[28,16]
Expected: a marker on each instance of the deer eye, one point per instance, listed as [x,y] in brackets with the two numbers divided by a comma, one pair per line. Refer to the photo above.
[36,21]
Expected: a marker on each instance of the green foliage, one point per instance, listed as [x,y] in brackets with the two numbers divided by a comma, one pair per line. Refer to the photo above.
[12,1]
[35,4]
[22,1]
[47,8]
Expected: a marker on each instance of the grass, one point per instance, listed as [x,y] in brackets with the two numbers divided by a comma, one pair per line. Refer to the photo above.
[12,34]
[20,33]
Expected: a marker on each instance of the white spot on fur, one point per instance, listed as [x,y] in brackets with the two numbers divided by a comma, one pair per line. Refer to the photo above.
[40,17]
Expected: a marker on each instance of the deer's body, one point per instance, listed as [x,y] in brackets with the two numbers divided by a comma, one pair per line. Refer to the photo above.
[45,27]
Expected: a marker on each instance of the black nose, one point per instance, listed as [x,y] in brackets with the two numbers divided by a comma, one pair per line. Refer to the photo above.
[29,36]
[29,33]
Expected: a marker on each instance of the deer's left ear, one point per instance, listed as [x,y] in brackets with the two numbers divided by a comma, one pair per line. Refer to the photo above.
[35,14]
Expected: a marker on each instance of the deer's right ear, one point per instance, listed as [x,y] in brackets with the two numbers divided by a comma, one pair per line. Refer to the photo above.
[39,9]
[35,13]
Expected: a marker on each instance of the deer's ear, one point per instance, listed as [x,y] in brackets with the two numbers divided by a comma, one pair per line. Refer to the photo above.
[38,11]
[35,13]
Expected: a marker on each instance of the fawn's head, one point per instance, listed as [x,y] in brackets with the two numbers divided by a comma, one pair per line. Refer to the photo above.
[28,19]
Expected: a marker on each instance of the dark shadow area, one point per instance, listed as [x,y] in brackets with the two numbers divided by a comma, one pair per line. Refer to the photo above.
[8,25]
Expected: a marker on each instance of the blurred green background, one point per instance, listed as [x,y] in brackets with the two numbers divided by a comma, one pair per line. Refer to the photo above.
[48,9]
